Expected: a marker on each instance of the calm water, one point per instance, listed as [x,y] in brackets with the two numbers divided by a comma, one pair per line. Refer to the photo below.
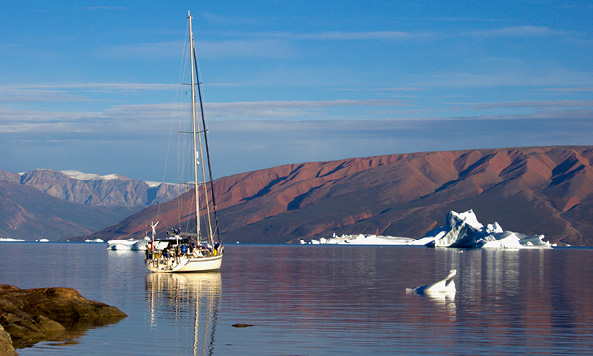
[318,300]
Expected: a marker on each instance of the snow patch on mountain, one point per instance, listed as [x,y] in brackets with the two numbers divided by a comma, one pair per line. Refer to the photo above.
[91,176]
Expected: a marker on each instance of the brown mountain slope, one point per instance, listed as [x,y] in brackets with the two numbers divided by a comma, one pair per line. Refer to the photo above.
[544,190]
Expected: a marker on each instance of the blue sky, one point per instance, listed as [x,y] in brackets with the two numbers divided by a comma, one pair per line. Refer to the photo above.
[88,85]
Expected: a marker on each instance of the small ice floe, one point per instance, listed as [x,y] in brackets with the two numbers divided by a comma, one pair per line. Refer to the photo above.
[446,285]
[95,240]
[42,240]
[6,239]
[365,239]
[128,245]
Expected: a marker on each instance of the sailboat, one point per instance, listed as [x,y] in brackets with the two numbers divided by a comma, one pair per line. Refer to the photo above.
[198,250]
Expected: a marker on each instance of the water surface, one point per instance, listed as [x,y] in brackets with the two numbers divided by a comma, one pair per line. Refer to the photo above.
[318,300]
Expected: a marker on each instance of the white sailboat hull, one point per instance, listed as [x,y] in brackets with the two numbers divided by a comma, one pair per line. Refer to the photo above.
[185,264]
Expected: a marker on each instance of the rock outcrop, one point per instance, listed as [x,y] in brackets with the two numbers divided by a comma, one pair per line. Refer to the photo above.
[33,315]
[6,347]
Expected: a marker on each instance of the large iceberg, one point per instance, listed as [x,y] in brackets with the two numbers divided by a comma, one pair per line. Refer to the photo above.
[464,230]
[461,230]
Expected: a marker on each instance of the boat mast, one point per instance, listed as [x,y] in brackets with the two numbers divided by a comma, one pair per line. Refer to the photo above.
[211,235]
[194,126]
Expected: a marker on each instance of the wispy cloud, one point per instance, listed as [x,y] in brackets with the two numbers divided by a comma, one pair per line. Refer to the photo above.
[282,44]
[134,120]
[289,109]
[228,19]
[72,92]
[264,110]
[226,48]
[92,8]
[368,35]
[268,48]
[537,104]
[522,75]
[392,35]
[382,35]
[516,31]
[90,86]
[396,89]
[454,19]
[126,118]
[568,90]
[170,49]
[47,122]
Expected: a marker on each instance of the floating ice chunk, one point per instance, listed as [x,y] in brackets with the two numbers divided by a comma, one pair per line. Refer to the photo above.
[128,245]
[362,239]
[446,285]
[502,240]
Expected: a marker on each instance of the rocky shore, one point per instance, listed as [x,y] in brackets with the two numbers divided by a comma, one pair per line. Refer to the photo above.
[28,316]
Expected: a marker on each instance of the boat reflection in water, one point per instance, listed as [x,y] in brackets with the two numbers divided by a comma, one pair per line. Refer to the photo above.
[185,305]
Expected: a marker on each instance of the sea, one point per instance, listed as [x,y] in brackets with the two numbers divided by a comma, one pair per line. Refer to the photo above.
[321,300]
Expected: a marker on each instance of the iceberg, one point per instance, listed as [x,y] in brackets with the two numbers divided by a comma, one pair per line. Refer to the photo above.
[446,285]
[461,230]
[370,239]
[464,230]
[128,245]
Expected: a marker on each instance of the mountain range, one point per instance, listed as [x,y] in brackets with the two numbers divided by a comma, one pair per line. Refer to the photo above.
[531,190]
[51,205]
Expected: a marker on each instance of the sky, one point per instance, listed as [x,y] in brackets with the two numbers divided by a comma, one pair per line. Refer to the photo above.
[90,85]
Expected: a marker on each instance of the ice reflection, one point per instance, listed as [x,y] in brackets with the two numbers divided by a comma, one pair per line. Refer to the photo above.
[186,300]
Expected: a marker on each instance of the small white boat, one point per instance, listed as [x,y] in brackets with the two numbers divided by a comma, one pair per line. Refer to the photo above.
[198,249]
